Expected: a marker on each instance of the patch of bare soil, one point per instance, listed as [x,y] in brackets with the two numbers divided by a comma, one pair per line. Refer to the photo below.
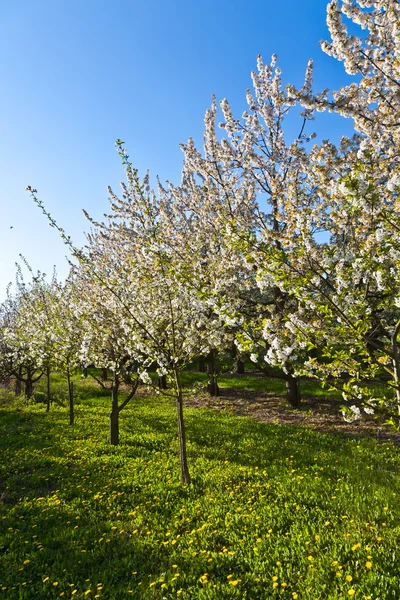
[321,414]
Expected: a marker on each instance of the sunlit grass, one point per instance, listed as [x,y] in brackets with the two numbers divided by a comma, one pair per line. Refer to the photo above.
[273,511]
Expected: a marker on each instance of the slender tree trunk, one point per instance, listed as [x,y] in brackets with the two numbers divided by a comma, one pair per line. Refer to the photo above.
[17,387]
[185,476]
[104,374]
[211,362]
[162,382]
[70,398]
[114,413]
[397,389]
[48,389]
[396,365]
[292,390]
[85,372]
[240,366]
[201,364]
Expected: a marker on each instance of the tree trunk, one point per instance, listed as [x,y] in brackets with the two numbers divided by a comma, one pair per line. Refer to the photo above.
[114,413]
[84,372]
[70,399]
[104,374]
[292,390]
[185,476]
[396,365]
[17,387]
[240,366]
[48,389]
[162,382]
[202,364]
[211,361]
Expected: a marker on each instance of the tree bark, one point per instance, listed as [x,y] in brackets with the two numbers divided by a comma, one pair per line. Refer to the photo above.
[292,390]
[162,382]
[114,413]
[104,374]
[201,364]
[396,365]
[211,362]
[185,476]
[70,399]
[240,366]
[17,387]
[48,389]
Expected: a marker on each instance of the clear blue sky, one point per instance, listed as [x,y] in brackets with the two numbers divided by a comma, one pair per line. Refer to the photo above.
[78,74]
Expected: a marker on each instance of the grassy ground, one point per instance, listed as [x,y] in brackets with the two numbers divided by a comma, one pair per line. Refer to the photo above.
[273,512]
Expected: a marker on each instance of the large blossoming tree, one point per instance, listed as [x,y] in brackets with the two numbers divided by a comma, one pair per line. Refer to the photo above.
[349,286]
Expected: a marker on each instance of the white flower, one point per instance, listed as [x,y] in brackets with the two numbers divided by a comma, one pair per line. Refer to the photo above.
[352,414]
[394,182]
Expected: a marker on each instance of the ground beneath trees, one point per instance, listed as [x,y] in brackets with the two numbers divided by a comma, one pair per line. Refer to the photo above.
[320,413]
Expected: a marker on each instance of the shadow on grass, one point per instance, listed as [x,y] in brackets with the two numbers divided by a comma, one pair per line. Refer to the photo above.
[92,508]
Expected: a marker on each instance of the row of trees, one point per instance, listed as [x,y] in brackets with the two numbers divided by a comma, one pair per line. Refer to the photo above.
[288,249]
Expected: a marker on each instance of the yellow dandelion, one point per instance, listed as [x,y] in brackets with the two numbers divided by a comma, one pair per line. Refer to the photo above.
[368,564]
[351,592]
[349,578]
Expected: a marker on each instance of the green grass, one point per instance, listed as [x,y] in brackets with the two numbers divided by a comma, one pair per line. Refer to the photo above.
[273,512]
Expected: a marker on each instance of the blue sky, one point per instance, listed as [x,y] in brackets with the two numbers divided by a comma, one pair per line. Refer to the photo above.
[77,75]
